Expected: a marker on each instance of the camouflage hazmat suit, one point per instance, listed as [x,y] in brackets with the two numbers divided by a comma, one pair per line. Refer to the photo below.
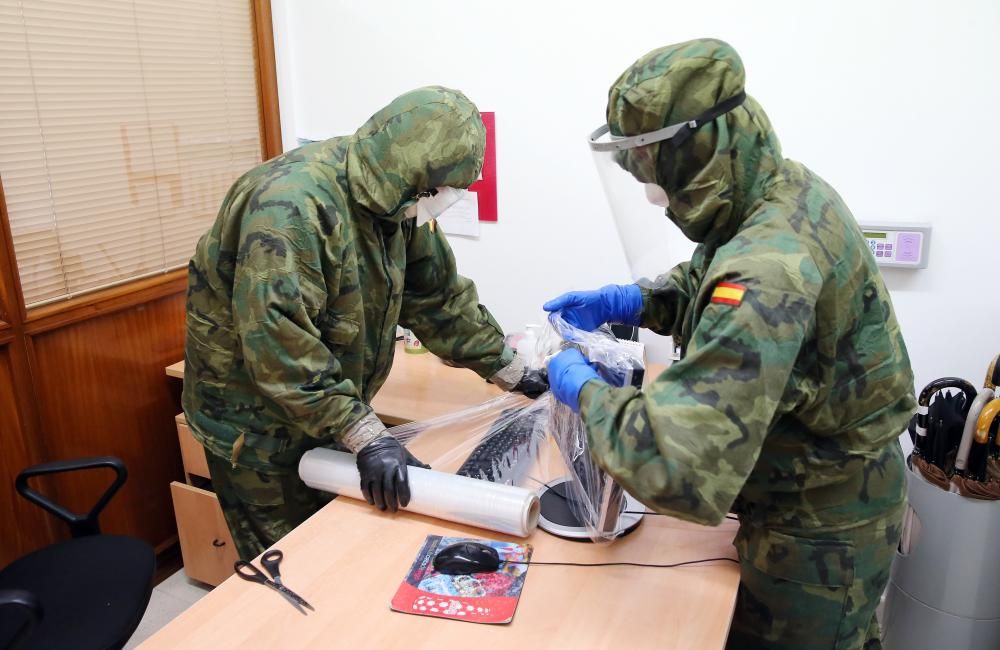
[294,296]
[788,401]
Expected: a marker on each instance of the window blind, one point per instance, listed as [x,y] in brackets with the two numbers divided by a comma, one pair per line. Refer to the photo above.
[122,125]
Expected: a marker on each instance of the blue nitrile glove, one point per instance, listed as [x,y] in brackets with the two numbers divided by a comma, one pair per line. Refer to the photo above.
[588,310]
[568,372]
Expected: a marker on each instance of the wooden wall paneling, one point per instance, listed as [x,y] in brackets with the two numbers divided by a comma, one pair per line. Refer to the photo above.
[267,79]
[11,302]
[25,527]
[102,390]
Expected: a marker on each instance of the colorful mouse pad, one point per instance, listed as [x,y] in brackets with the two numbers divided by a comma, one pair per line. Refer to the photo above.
[478,598]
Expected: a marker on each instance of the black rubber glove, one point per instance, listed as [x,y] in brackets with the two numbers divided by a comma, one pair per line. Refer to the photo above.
[533,383]
[382,465]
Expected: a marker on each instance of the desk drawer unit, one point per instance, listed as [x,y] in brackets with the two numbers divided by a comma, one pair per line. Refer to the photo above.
[206,545]
[192,453]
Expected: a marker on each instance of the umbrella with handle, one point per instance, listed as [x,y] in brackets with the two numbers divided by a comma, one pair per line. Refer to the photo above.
[993,464]
[979,454]
[993,374]
[947,414]
[982,471]
[962,456]
[944,423]
[921,421]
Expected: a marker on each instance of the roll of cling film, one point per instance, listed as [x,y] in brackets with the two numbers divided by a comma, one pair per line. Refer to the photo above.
[411,344]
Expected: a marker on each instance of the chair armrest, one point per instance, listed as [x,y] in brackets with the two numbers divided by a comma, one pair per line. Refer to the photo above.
[79,525]
[27,602]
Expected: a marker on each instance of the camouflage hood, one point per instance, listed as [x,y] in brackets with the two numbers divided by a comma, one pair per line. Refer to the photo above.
[430,137]
[715,177]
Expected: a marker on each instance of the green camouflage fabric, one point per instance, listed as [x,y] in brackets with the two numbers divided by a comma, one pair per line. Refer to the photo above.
[786,407]
[295,292]
[261,508]
[827,589]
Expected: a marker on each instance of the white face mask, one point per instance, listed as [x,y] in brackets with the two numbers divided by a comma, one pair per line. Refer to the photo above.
[432,207]
[656,195]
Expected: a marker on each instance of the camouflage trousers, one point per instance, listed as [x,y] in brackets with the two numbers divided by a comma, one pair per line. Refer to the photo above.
[261,508]
[802,593]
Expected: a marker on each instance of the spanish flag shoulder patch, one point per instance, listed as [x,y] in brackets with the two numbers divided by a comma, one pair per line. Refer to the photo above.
[728,293]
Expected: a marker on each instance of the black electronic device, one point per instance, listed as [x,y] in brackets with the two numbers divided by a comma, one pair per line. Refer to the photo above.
[509,441]
[465,558]
[625,332]
[631,376]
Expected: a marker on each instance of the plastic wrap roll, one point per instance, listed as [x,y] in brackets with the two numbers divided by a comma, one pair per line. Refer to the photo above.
[503,508]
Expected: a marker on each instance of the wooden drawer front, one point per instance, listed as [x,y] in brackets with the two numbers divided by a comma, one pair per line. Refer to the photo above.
[192,453]
[206,545]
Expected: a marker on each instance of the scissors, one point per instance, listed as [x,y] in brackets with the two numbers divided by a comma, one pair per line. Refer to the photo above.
[270,562]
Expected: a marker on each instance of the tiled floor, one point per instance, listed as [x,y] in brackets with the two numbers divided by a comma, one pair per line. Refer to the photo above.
[169,599]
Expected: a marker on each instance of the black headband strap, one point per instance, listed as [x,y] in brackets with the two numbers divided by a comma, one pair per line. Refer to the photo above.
[721,108]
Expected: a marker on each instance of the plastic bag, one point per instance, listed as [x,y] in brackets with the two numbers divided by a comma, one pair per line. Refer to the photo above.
[536,444]
[593,497]
[617,362]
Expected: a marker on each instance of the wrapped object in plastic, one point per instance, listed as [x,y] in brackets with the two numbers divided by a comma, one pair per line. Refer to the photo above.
[540,445]
[617,362]
[501,440]
[596,501]
[522,446]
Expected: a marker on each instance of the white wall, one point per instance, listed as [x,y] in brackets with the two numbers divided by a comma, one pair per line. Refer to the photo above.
[890,101]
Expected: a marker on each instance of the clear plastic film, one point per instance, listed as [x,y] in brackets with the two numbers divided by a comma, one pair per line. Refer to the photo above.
[538,445]
[501,440]
[618,362]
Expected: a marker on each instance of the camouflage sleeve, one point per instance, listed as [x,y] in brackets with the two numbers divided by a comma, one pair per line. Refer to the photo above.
[442,307]
[277,293]
[686,445]
[664,304]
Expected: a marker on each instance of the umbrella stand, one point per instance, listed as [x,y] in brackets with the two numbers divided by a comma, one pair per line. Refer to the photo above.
[932,473]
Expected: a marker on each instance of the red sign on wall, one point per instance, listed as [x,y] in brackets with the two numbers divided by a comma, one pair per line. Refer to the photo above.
[486,187]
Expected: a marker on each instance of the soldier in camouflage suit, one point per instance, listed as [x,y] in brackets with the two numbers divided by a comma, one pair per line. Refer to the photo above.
[293,300]
[794,383]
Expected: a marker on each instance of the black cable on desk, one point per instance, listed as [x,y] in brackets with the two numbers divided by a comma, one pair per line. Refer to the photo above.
[635,564]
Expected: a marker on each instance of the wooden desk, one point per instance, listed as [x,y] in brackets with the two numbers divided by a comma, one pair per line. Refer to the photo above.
[419,387]
[349,559]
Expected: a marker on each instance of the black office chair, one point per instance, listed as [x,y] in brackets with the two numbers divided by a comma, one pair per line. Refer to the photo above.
[88,592]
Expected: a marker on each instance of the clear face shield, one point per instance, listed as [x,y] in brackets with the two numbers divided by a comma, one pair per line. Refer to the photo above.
[627,168]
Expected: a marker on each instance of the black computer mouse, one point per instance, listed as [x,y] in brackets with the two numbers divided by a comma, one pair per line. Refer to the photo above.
[467,557]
